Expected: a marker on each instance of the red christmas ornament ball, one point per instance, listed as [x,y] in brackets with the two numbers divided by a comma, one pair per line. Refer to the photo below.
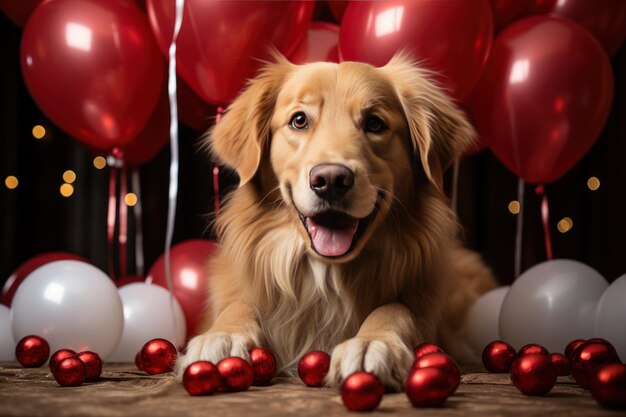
[236,374]
[138,361]
[264,366]
[601,340]
[427,387]
[362,391]
[444,362]
[32,351]
[93,364]
[532,348]
[426,348]
[202,378]
[587,358]
[498,357]
[561,364]
[571,347]
[158,356]
[608,385]
[313,368]
[533,374]
[58,356]
[70,372]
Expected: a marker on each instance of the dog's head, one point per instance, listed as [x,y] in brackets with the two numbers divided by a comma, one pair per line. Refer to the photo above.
[343,143]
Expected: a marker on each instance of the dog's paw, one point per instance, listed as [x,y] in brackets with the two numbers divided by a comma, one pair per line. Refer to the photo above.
[389,360]
[213,347]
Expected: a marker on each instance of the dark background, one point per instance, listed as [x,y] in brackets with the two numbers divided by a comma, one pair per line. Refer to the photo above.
[35,218]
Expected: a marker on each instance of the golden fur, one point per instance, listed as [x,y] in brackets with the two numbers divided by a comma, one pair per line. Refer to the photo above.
[406,280]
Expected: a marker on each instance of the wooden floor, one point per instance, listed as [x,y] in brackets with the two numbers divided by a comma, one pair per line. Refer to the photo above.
[124,391]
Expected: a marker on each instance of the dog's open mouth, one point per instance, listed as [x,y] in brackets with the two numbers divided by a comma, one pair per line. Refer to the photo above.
[334,233]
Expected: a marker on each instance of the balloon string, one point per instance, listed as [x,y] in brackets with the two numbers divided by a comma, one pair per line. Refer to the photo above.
[173,187]
[111,218]
[545,219]
[216,171]
[137,211]
[455,185]
[519,230]
[123,218]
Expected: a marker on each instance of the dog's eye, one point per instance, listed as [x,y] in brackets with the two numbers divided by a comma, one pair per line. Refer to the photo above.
[299,121]
[373,124]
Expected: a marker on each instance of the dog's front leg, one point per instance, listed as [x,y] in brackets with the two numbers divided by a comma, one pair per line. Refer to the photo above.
[382,346]
[235,332]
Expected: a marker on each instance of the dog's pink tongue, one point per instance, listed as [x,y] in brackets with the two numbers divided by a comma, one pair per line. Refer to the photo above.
[331,241]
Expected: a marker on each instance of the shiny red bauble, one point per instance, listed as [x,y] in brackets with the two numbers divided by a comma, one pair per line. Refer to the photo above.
[533,374]
[427,387]
[532,348]
[362,391]
[93,364]
[32,351]
[236,373]
[264,366]
[444,362]
[498,356]
[313,368]
[158,356]
[58,356]
[138,361]
[603,341]
[608,385]
[70,372]
[201,378]
[587,358]
[426,348]
[561,364]
[571,347]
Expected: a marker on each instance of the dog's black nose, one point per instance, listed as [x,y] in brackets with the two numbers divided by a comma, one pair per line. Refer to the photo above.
[331,181]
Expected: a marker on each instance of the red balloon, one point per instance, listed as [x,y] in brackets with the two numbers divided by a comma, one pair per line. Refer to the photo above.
[533,374]
[561,364]
[22,271]
[263,365]
[505,11]
[32,351]
[498,356]
[236,374]
[587,358]
[188,264]
[362,391]
[220,43]
[538,118]
[608,385]
[606,19]
[425,348]
[313,368]
[18,10]
[201,378]
[571,347]
[58,356]
[93,364]
[93,68]
[70,372]
[158,356]
[452,38]
[320,44]
[445,363]
[427,387]
[192,111]
[532,348]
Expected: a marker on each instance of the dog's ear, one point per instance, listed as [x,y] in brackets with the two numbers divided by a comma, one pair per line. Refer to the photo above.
[439,130]
[243,133]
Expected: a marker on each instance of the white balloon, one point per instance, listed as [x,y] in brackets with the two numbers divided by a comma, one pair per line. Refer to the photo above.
[481,325]
[7,344]
[552,304]
[71,304]
[147,315]
[611,316]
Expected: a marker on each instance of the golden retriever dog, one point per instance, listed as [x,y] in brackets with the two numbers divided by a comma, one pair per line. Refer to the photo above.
[339,237]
